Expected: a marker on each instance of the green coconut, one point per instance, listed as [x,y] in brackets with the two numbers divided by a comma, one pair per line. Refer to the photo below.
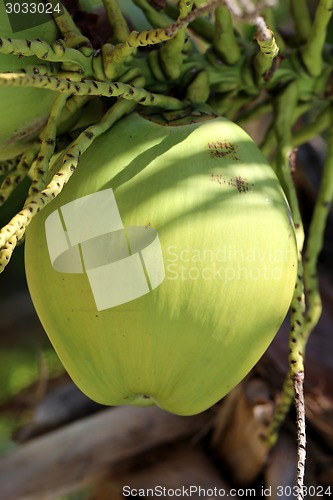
[165,268]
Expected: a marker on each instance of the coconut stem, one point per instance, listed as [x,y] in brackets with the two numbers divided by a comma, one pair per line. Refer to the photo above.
[15,229]
[56,52]
[225,42]
[91,87]
[171,52]
[152,37]
[156,18]
[303,321]
[117,21]
[71,33]
[263,61]
[312,51]
[7,165]
[48,139]
[319,124]
[285,108]
[302,20]
[17,173]
[316,238]
[203,27]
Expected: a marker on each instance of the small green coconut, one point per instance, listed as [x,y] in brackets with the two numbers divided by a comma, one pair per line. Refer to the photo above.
[165,268]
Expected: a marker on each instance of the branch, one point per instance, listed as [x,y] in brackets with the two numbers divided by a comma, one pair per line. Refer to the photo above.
[77,454]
